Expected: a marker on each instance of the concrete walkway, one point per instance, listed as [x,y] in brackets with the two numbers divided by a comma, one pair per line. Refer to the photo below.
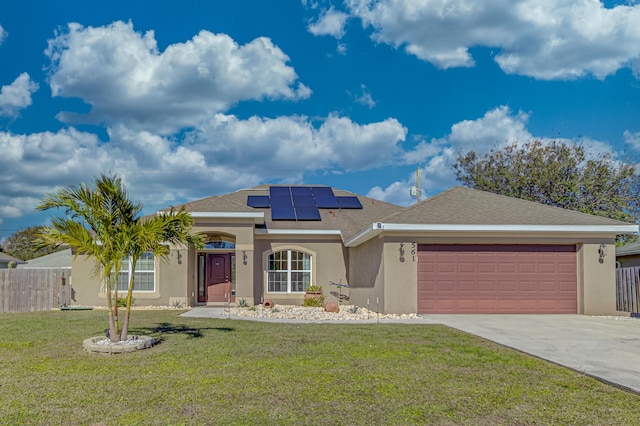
[602,347]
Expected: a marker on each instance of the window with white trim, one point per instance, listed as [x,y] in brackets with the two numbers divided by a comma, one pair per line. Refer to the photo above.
[145,275]
[288,271]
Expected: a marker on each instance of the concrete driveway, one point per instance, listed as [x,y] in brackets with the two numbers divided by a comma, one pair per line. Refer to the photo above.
[603,347]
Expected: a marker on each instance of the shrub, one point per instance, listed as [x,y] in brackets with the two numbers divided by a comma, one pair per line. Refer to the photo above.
[315,302]
[122,302]
[354,309]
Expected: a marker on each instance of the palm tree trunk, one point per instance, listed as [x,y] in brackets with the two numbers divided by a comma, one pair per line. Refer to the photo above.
[115,309]
[125,323]
[113,331]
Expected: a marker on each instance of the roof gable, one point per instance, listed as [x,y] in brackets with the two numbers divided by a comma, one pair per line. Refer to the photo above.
[466,206]
[214,203]
[5,258]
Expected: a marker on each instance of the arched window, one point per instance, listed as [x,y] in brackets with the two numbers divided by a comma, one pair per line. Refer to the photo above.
[219,245]
[288,271]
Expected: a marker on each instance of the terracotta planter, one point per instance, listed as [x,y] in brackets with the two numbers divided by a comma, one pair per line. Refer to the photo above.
[313,295]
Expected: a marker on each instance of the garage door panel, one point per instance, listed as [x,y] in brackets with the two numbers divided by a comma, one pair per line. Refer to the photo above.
[445,267]
[464,266]
[497,279]
[547,268]
[566,286]
[526,268]
[467,286]
[426,267]
[548,286]
[488,286]
[486,267]
[507,267]
[567,268]
[507,286]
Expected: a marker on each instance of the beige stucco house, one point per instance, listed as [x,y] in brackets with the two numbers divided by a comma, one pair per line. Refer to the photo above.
[462,251]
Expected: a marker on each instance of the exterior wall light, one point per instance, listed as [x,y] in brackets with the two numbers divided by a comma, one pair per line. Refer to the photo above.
[602,253]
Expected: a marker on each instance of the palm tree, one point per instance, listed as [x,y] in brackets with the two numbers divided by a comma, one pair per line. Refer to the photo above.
[154,234]
[95,223]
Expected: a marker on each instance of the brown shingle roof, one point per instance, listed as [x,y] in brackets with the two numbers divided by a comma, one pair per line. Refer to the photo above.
[348,221]
[5,258]
[465,206]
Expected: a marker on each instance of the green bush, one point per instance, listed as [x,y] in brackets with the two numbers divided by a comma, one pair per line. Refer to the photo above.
[316,302]
[122,302]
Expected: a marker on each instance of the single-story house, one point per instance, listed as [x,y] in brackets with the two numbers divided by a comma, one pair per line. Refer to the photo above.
[628,255]
[60,259]
[462,251]
[6,260]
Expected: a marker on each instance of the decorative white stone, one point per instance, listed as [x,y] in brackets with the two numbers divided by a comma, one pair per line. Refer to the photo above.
[101,344]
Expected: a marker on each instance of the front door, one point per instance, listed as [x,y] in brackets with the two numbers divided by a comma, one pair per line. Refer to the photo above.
[218,277]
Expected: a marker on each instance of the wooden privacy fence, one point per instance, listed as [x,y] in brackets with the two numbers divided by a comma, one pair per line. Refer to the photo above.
[29,290]
[628,289]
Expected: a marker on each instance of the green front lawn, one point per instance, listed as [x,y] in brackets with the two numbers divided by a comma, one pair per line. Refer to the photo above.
[208,371]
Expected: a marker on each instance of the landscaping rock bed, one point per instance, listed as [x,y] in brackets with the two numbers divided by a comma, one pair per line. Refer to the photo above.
[347,312]
[102,344]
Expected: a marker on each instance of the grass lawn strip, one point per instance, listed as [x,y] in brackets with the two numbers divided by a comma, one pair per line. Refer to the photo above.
[207,371]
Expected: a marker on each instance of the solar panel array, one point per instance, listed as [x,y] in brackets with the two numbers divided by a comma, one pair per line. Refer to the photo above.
[301,202]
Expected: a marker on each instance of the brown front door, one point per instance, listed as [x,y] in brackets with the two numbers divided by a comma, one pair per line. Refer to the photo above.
[218,277]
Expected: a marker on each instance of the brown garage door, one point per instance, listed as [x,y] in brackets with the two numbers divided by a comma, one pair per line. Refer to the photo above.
[497,278]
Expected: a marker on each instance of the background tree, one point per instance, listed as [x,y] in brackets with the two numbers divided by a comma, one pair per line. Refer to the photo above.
[557,174]
[27,244]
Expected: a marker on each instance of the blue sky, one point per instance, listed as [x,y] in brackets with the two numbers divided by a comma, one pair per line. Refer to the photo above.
[197,98]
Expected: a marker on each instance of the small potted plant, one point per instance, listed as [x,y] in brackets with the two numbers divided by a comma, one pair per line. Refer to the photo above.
[313,296]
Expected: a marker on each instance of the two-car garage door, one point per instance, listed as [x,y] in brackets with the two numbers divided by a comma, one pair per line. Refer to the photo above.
[454,278]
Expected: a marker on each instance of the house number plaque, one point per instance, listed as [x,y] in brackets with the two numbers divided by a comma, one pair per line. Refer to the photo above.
[402,252]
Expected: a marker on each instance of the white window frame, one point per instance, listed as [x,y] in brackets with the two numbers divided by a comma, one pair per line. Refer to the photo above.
[289,271]
[127,274]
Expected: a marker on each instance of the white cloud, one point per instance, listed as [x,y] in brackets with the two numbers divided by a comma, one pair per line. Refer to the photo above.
[3,34]
[364,97]
[396,193]
[289,146]
[331,22]
[17,95]
[545,39]
[632,139]
[436,175]
[225,154]
[497,127]
[126,79]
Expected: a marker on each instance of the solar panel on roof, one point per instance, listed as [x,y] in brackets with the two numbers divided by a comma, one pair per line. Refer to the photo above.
[302,196]
[281,202]
[280,191]
[349,202]
[283,212]
[258,201]
[280,196]
[307,213]
[301,191]
[324,197]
